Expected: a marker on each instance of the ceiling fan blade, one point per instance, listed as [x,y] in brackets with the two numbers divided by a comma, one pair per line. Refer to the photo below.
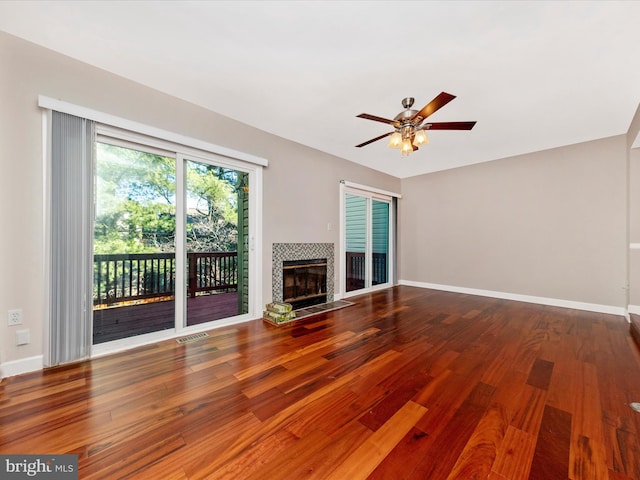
[435,104]
[449,126]
[374,140]
[377,119]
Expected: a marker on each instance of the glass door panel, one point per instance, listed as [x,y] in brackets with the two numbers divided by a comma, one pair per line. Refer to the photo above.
[134,243]
[216,239]
[356,241]
[379,242]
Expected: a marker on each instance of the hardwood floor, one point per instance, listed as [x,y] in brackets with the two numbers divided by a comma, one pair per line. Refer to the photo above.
[406,384]
[634,328]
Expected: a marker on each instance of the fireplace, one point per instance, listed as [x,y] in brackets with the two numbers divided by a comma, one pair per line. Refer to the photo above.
[304,282]
[301,253]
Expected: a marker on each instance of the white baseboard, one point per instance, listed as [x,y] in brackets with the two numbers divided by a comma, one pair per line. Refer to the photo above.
[18,367]
[635,309]
[553,302]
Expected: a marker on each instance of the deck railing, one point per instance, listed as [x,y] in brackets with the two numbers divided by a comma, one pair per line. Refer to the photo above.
[356,269]
[127,277]
[212,271]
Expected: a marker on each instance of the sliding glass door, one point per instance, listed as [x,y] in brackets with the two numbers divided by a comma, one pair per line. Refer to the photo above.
[367,240]
[134,243]
[171,240]
[216,239]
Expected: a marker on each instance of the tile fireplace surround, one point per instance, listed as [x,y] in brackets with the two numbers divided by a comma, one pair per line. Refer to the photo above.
[300,251]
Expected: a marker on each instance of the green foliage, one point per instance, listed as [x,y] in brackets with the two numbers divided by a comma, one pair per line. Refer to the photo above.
[136,203]
[212,209]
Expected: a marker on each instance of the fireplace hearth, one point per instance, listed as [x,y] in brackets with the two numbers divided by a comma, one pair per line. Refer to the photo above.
[304,282]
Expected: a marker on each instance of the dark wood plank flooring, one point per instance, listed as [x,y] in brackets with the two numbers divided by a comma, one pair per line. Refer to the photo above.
[634,328]
[408,383]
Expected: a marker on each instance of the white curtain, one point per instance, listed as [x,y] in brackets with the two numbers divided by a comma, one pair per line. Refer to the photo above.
[71,267]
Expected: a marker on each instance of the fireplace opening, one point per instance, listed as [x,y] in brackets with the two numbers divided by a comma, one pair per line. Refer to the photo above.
[304,282]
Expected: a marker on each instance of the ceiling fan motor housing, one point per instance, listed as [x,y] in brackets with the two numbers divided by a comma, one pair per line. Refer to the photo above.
[406,116]
[408,102]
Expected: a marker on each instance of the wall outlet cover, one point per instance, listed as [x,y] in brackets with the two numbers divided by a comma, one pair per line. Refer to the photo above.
[15,317]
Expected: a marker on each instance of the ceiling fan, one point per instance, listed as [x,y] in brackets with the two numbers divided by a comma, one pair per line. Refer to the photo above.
[410,126]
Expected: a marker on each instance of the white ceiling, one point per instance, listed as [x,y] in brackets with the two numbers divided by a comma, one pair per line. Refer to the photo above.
[533,74]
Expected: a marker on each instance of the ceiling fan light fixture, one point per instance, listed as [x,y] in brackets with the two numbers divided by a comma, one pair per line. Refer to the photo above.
[407,148]
[420,138]
[395,141]
[409,130]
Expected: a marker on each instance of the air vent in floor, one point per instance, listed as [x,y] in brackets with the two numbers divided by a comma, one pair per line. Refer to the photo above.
[192,338]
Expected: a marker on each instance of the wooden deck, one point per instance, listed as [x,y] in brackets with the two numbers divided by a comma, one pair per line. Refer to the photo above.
[408,383]
[120,322]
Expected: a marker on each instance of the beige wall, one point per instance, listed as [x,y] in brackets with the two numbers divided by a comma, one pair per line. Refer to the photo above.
[549,224]
[300,185]
[634,230]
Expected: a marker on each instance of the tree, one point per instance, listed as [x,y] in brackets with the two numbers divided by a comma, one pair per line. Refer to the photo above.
[212,208]
[136,203]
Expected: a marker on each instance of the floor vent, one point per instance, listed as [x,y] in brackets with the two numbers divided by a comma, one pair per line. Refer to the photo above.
[192,338]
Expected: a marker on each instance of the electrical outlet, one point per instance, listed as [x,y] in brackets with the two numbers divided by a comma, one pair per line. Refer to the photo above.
[15,317]
[23,337]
